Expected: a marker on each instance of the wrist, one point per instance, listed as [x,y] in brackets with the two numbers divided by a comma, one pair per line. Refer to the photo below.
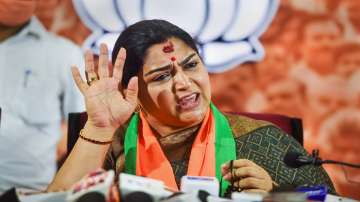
[102,134]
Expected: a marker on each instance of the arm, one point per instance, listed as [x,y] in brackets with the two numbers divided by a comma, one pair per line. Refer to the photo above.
[62,144]
[107,109]
[84,158]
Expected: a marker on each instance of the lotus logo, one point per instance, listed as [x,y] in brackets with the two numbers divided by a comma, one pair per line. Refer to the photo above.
[227,31]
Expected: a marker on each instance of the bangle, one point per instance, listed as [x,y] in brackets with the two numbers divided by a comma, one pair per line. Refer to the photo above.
[81,135]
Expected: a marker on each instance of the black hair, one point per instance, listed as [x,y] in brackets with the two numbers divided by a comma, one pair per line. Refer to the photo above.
[137,38]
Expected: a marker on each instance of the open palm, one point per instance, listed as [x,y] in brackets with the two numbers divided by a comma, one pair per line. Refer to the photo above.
[106,106]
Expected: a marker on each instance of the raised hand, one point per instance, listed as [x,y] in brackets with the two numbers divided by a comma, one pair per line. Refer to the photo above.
[247,176]
[106,106]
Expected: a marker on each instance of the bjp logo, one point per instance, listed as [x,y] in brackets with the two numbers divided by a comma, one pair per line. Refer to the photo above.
[227,31]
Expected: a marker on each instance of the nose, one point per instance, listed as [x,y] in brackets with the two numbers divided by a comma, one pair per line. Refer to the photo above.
[181,81]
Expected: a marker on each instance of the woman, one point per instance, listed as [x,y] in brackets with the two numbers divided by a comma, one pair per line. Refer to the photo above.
[176,131]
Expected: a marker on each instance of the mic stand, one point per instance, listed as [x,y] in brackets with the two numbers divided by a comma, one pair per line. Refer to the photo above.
[316,160]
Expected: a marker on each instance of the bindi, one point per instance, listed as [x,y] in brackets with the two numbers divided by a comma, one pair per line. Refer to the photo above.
[168,47]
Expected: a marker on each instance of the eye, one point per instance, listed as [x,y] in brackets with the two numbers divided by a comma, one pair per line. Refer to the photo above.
[162,76]
[190,65]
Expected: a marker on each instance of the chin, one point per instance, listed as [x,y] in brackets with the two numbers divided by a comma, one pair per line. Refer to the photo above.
[193,117]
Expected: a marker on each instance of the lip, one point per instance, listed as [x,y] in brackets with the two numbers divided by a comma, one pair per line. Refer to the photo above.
[188,104]
[178,98]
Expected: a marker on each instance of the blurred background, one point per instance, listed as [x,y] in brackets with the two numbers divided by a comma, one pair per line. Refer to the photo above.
[311,70]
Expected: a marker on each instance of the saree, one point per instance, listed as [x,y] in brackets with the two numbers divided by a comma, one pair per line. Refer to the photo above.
[213,146]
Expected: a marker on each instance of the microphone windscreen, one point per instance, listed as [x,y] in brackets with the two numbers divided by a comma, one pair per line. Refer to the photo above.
[92,197]
[291,159]
[9,196]
[202,195]
[138,196]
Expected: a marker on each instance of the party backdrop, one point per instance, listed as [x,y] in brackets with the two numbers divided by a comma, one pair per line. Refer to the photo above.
[305,64]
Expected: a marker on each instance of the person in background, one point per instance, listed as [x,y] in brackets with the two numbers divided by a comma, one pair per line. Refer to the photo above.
[285,96]
[244,74]
[176,130]
[347,60]
[36,94]
[324,97]
[340,132]
[354,89]
[320,35]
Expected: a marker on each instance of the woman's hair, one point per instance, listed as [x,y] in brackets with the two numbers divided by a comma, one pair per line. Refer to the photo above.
[137,38]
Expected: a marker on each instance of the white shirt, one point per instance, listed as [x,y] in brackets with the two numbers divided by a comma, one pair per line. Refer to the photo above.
[37,91]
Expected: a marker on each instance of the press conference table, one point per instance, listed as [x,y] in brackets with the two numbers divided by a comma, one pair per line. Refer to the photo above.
[60,197]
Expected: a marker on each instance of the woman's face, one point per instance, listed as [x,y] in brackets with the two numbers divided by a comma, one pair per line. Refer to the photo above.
[174,85]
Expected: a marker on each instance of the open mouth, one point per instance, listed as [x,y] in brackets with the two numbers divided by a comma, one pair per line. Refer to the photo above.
[188,102]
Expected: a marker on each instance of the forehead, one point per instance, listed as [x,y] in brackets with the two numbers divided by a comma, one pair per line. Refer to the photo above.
[157,56]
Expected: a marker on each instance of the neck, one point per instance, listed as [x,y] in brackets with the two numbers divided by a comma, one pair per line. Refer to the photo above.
[7,32]
[163,130]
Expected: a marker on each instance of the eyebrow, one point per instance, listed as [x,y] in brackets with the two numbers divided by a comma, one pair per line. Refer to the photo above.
[187,59]
[168,66]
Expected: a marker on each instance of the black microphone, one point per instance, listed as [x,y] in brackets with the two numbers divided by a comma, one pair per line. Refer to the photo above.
[9,196]
[93,196]
[138,196]
[296,159]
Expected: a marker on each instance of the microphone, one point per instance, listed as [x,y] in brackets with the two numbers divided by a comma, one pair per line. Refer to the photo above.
[198,196]
[196,188]
[295,159]
[9,196]
[92,197]
[138,196]
[136,187]
[96,186]
[196,183]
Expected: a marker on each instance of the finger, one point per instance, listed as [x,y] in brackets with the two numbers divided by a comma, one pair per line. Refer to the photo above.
[132,91]
[89,65]
[103,61]
[247,172]
[224,168]
[119,64]
[252,183]
[243,163]
[258,191]
[236,184]
[229,173]
[81,84]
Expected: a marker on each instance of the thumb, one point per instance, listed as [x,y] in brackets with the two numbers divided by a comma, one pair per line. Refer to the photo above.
[132,91]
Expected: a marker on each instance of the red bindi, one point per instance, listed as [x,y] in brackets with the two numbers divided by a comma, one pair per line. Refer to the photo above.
[168,48]
[173,58]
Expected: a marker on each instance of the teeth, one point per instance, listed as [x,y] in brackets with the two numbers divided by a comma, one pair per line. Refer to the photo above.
[188,98]
[188,102]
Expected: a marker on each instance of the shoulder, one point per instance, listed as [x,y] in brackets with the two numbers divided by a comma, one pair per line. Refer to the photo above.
[242,125]
[266,145]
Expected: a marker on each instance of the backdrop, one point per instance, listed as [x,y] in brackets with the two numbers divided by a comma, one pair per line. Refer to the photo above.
[310,67]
